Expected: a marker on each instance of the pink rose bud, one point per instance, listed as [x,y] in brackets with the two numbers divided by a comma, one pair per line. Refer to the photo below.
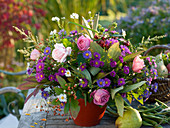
[138,64]
[35,54]
[101,96]
[83,43]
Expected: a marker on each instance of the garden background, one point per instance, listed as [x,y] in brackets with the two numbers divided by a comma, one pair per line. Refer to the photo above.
[139,18]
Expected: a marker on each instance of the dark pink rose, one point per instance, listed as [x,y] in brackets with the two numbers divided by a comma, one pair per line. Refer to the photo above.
[83,43]
[138,64]
[35,54]
[100,96]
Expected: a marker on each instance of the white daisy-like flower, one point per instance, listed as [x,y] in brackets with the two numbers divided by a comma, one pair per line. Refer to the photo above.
[55,19]
[63,18]
[53,32]
[89,12]
[74,16]
[62,97]
[68,73]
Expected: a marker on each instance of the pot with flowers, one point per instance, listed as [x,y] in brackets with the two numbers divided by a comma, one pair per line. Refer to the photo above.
[87,70]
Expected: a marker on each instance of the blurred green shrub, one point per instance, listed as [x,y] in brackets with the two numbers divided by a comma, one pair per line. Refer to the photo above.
[151,20]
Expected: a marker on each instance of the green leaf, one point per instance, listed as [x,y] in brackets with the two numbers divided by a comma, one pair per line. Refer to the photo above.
[94,70]
[129,88]
[74,107]
[114,91]
[31,79]
[94,47]
[54,102]
[82,26]
[67,107]
[87,25]
[58,90]
[85,99]
[100,76]
[28,85]
[62,82]
[66,43]
[79,94]
[119,104]
[70,80]
[131,56]
[87,75]
[114,52]
[96,20]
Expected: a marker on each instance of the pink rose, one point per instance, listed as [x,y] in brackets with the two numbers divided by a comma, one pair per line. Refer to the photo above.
[101,96]
[138,64]
[60,52]
[83,43]
[35,54]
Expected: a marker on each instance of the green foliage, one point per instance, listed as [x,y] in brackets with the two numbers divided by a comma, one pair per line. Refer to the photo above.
[114,91]
[74,107]
[119,104]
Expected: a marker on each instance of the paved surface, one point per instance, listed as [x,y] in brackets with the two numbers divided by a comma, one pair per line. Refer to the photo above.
[32,117]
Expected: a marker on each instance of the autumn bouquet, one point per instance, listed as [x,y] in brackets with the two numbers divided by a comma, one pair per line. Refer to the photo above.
[93,63]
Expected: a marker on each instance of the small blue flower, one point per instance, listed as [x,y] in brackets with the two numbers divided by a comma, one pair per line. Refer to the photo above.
[47,51]
[87,54]
[101,82]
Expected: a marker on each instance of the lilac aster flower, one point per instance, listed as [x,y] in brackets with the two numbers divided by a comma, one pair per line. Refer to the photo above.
[47,51]
[112,73]
[112,41]
[40,67]
[126,69]
[113,64]
[39,77]
[107,82]
[61,71]
[101,83]
[87,54]
[51,77]
[121,59]
[96,63]
[82,67]
[96,55]
[125,49]
[55,76]
[29,71]
[121,81]
[45,94]
[83,83]
[155,87]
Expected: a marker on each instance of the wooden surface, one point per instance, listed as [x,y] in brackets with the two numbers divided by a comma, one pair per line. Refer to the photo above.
[34,119]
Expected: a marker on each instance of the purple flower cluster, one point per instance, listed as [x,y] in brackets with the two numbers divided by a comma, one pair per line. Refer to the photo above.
[83,67]
[104,82]
[113,63]
[121,81]
[96,61]
[39,77]
[125,50]
[61,71]
[40,67]
[126,69]
[83,83]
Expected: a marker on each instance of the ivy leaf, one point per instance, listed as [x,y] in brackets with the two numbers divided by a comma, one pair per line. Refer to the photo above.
[129,88]
[62,82]
[114,91]
[119,104]
[94,70]
[74,108]
[131,56]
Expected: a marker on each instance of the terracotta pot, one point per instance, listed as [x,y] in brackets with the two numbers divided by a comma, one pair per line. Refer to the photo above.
[89,115]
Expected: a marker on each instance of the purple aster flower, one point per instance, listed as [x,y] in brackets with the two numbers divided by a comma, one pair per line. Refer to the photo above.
[123,95]
[113,73]
[101,83]
[155,73]
[155,87]
[29,71]
[107,82]
[61,71]
[106,30]
[112,41]
[149,80]
[40,67]
[140,97]
[121,59]
[44,58]
[47,51]
[96,63]
[83,83]
[101,63]
[113,32]
[40,61]
[121,81]
[73,32]
[51,77]
[48,68]
[113,64]
[55,76]
[125,49]
[146,73]
[82,67]
[92,62]
[87,54]
[96,55]
[123,53]
[126,69]
[45,94]
[39,77]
